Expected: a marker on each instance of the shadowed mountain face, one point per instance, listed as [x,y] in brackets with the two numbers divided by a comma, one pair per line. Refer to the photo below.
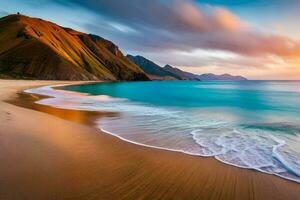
[38,49]
[154,71]
[184,75]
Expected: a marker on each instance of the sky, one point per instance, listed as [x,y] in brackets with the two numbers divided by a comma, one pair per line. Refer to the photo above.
[259,39]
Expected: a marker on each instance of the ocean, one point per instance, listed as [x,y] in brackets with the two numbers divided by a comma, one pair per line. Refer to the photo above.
[247,124]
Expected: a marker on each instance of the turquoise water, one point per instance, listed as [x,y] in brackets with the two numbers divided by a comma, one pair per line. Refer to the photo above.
[248,124]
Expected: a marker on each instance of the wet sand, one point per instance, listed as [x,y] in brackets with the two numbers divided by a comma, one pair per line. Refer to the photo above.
[49,153]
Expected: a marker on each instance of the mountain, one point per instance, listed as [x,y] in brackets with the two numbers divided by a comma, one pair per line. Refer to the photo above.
[203,77]
[37,49]
[223,77]
[182,74]
[154,71]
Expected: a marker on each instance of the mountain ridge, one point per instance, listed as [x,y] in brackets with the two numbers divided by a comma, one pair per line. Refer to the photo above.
[39,49]
[153,70]
[222,77]
[168,72]
[203,77]
[183,74]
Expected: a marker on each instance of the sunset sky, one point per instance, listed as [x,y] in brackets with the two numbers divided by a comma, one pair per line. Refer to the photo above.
[259,39]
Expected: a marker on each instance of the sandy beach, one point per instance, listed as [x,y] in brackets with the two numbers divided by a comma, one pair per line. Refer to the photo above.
[49,153]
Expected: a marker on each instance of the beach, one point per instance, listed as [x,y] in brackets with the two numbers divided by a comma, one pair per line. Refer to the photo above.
[50,153]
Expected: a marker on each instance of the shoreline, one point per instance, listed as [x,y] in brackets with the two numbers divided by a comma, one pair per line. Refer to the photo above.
[200,177]
[104,113]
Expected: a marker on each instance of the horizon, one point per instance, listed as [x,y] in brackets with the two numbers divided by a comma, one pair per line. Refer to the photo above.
[246,38]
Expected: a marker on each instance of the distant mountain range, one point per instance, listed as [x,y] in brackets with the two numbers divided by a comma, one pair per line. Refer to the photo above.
[38,49]
[223,77]
[155,72]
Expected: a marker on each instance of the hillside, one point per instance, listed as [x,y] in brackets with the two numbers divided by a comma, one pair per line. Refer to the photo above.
[37,49]
[183,75]
[154,71]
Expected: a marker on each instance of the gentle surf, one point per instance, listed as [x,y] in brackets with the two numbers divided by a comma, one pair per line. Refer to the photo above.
[247,124]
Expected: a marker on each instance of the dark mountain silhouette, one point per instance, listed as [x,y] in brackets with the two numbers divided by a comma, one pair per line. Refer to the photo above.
[154,71]
[203,77]
[183,75]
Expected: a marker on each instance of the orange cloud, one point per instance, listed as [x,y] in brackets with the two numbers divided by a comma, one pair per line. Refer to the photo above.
[190,15]
[222,30]
[227,21]
[219,20]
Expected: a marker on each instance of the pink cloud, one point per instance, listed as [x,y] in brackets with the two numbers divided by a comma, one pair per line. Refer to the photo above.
[227,20]
[219,19]
[222,30]
[184,25]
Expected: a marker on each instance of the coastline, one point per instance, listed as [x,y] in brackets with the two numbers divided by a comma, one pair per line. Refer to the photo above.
[62,159]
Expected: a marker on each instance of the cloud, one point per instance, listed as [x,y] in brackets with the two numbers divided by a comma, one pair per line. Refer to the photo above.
[183,25]
[170,15]
[220,59]
[3,13]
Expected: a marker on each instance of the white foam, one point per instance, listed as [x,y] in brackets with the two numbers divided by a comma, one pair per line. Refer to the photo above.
[288,165]
[248,149]
[64,94]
